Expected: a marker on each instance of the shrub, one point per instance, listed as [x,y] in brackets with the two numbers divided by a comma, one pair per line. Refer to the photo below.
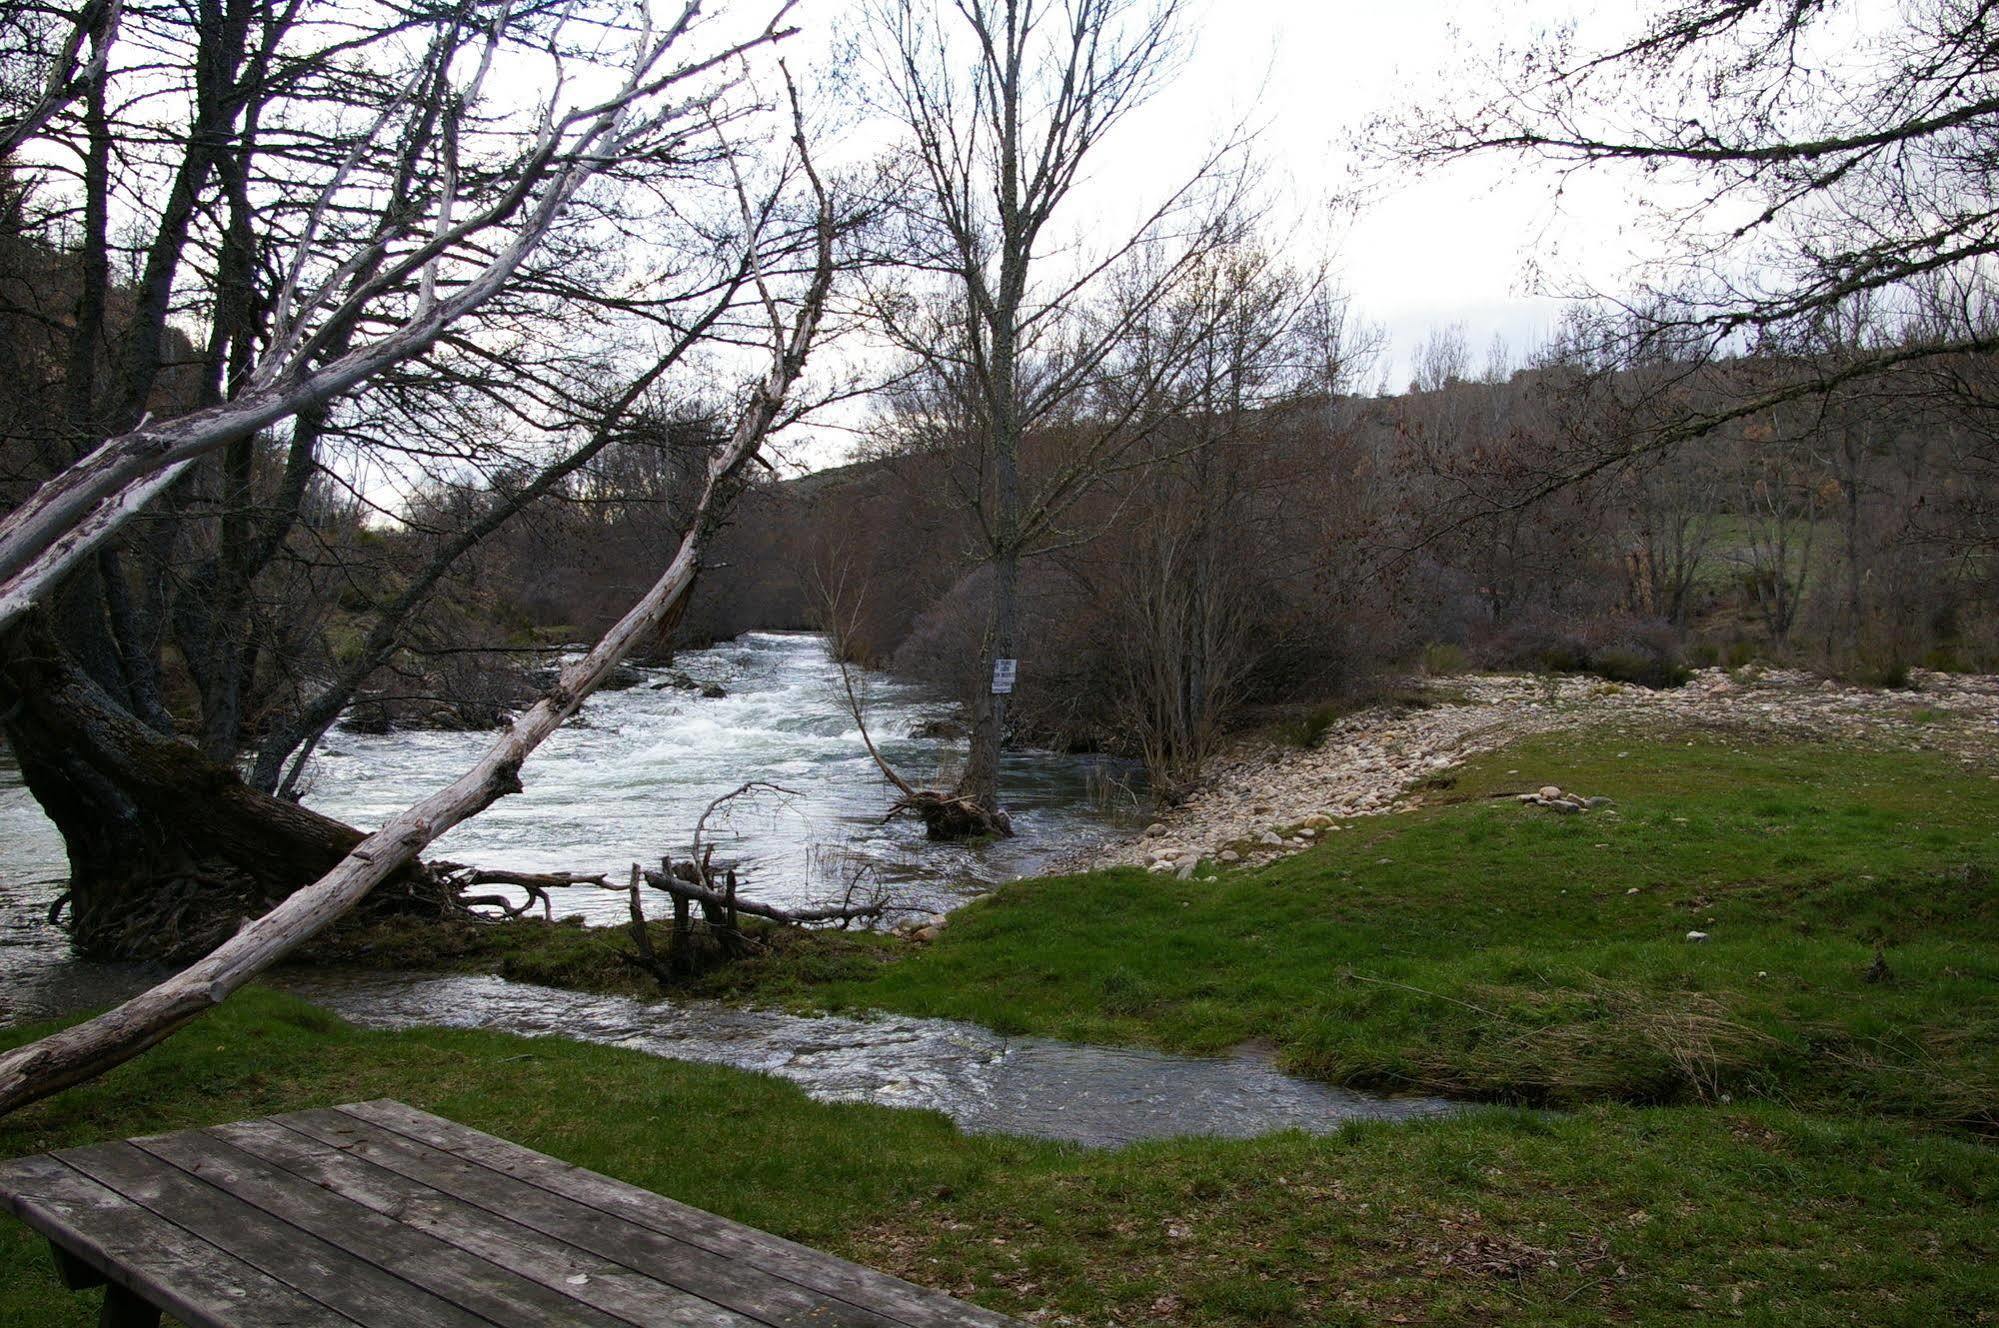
[1308,729]
[1442,659]
[1952,658]
[1631,650]
[1638,667]
[1889,671]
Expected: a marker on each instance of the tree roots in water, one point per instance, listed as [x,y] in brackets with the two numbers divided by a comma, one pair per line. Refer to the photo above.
[948,817]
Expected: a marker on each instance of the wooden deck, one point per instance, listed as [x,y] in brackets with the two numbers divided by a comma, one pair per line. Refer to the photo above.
[382,1215]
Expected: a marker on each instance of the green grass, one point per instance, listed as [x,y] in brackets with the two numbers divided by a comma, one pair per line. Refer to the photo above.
[1751,1130]
[1484,948]
[567,954]
[1661,1216]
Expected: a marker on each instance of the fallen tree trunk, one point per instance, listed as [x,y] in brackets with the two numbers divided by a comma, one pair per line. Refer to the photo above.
[86,1050]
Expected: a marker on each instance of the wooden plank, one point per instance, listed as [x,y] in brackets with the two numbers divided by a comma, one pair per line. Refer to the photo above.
[914,1306]
[392,1234]
[734,1284]
[302,1261]
[197,1283]
[599,1287]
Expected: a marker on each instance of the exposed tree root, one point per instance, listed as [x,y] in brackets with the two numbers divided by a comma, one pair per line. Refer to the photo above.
[947,816]
[169,851]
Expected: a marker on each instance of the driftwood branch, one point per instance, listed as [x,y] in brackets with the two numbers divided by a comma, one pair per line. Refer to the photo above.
[679,886]
[741,790]
[459,879]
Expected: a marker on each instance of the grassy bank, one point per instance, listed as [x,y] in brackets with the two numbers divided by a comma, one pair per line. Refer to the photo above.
[1761,1126]
[1480,947]
[570,955]
[1665,1216]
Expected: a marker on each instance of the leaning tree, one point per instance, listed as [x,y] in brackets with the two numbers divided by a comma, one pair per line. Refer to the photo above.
[322,200]
[792,304]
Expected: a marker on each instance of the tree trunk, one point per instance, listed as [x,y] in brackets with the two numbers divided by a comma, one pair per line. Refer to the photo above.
[980,784]
[169,851]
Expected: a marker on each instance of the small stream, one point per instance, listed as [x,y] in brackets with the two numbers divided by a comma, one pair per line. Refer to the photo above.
[628,784]
[1096,1096]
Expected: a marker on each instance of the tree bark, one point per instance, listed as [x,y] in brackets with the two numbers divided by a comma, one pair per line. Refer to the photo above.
[169,851]
[980,784]
[88,1049]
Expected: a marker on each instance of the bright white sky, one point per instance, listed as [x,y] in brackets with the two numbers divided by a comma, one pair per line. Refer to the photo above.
[1455,248]
[1451,249]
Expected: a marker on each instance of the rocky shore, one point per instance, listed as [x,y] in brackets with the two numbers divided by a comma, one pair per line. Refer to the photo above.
[1265,800]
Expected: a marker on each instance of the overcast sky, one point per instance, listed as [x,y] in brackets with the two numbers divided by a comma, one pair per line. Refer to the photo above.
[1485,245]
[1455,248]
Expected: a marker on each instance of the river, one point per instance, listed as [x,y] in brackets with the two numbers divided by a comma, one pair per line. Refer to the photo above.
[628,783]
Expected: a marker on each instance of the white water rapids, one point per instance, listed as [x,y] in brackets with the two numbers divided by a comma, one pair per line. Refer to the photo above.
[627,784]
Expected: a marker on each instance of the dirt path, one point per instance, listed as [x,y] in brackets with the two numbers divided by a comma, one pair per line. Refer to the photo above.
[1368,762]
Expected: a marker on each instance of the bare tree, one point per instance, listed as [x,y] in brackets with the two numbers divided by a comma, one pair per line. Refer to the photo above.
[1010,323]
[413,231]
[406,276]
[1780,498]
[1798,155]
[1443,359]
[50,61]
[1204,548]
[88,1049]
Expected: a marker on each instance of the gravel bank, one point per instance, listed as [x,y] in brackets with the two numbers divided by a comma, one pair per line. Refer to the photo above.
[1370,763]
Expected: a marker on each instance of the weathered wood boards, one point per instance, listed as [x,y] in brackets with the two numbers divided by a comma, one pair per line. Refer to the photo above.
[378,1214]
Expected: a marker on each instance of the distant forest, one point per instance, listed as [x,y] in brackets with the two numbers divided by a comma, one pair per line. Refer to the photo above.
[1268,545]
[1533,518]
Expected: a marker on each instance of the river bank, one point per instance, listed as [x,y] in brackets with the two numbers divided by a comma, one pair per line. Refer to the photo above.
[1788,1120]
[1803,919]
[1668,1217]
[628,781]
[1266,799]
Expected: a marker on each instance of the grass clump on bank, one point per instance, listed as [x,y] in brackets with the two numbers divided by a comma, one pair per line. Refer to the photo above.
[1483,948]
[1667,1216]
[567,954]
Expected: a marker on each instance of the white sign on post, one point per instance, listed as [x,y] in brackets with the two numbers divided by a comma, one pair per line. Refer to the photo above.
[1003,671]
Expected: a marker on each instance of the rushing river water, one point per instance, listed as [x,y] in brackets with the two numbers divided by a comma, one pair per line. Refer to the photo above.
[628,784]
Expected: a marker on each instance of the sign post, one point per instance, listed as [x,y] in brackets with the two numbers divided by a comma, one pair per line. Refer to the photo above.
[1003,671]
